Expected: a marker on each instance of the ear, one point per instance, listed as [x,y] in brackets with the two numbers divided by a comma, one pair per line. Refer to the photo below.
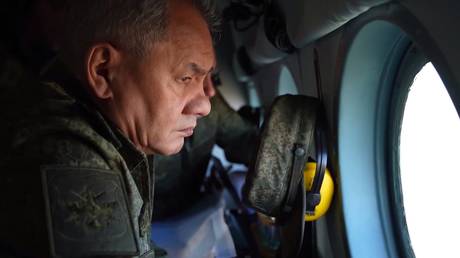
[101,61]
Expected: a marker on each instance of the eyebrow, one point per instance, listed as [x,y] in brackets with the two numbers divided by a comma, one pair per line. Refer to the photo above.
[196,69]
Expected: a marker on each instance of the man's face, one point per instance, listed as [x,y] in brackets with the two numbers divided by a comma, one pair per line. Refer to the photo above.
[159,98]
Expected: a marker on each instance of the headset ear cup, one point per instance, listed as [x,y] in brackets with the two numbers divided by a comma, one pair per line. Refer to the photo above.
[326,191]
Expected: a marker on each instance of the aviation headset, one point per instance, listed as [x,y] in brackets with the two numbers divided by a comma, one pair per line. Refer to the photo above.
[313,173]
[287,135]
[316,176]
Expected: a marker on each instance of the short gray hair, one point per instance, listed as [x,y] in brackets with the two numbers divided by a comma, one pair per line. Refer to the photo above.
[132,25]
[207,9]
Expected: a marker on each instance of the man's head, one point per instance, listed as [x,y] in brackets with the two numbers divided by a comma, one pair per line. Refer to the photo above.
[146,64]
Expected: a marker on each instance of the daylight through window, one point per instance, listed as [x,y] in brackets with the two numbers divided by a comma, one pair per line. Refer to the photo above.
[430,168]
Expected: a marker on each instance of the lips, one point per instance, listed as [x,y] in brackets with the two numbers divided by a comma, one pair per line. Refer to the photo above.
[187,131]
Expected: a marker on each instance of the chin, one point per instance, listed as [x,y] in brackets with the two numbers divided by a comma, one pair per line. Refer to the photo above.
[172,148]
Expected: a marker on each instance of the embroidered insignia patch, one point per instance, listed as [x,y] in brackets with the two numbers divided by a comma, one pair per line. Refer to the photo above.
[87,213]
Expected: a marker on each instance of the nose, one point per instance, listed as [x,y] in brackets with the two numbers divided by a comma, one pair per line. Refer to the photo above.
[209,89]
[200,105]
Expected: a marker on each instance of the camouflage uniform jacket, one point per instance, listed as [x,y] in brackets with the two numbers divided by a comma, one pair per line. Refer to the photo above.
[71,184]
[178,178]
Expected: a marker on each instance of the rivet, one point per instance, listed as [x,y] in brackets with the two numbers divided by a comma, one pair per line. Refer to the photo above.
[299,152]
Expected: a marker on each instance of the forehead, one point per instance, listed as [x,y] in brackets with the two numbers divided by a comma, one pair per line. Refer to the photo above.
[188,34]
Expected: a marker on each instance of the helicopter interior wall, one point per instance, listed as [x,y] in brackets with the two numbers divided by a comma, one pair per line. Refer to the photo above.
[307,21]
[434,32]
[231,89]
[436,23]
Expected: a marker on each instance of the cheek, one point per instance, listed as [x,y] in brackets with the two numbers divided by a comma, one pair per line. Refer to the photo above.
[169,109]
[164,126]
[166,115]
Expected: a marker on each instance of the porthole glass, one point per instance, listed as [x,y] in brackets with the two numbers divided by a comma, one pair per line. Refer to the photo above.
[429,167]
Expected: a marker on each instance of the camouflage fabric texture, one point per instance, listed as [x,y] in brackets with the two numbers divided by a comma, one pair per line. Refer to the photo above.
[67,173]
[178,178]
[291,122]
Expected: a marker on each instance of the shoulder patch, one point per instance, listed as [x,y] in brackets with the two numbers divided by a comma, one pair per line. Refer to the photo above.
[87,213]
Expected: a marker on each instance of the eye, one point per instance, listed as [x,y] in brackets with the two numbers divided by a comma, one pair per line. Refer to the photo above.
[185,79]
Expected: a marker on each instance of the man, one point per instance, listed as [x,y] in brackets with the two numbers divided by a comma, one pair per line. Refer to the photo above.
[76,180]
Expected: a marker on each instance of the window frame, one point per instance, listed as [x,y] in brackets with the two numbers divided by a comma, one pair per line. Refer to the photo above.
[364,99]
[414,60]
[387,242]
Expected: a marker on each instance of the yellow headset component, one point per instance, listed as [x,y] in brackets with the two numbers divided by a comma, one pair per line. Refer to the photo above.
[326,191]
